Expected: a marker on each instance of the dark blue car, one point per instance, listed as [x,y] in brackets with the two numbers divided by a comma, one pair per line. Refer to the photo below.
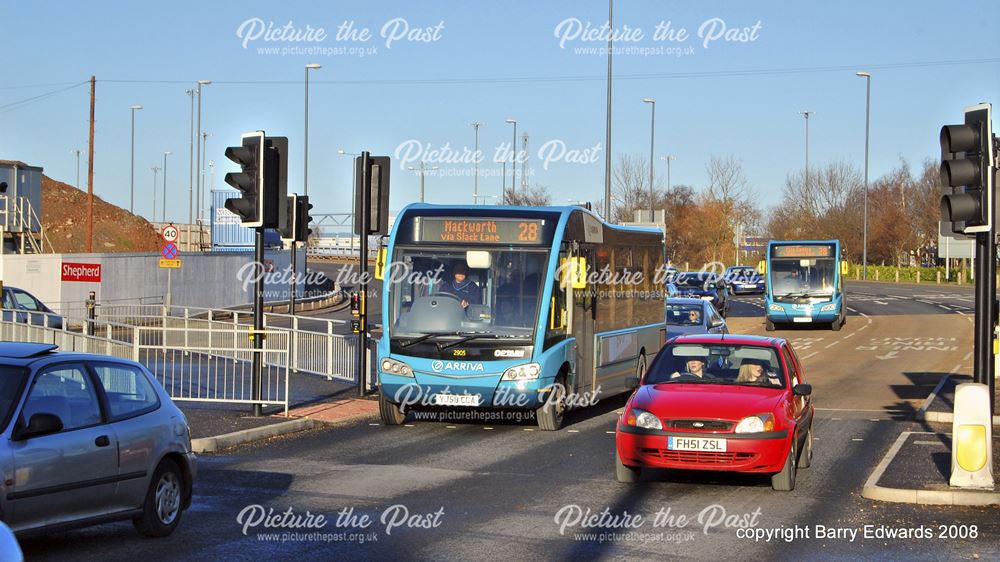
[702,285]
[21,306]
[744,279]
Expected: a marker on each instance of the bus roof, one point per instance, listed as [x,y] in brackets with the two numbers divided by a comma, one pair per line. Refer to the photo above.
[800,242]
[553,212]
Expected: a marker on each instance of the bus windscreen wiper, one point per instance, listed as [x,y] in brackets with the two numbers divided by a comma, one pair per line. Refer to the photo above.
[467,338]
[416,340]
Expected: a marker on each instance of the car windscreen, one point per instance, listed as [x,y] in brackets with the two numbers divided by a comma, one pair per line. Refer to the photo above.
[11,383]
[693,280]
[717,363]
[686,314]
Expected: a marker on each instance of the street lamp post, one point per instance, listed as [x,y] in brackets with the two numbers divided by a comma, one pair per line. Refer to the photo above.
[668,158]
[806,114]
[77,152]
[475,184]
[607,124]
[198,178]
[155,170]
[652,128]
[513,156]
[868,104]
[131,203]
[354,181]
[423,171]
[305,164]
[190,94]
[163,212]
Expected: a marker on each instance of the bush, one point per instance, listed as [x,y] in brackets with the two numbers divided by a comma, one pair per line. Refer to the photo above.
[906,274]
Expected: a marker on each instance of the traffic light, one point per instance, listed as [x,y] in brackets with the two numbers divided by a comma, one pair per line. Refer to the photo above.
[302,218]
[378,210]
[967,172]
[356,303]
[249,180]
[287,231]
[262,180]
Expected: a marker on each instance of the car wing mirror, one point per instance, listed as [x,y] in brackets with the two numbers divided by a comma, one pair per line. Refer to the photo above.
[40,424]
[718,322]
[802,389]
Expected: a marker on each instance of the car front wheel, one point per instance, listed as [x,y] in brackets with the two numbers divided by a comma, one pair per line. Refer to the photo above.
[161,512]
[624,473]
[784,481]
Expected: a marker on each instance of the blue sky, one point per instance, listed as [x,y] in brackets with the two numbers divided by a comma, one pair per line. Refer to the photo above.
[484,64]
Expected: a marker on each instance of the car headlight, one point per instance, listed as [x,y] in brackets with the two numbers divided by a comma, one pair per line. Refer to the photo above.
[775,308]
[642,418]
[527,372]
[756,424]
[394,367]
[828,307]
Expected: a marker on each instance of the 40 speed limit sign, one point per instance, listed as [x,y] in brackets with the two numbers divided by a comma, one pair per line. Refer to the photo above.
[170,233]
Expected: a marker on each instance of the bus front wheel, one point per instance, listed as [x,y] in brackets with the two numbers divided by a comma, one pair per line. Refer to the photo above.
[390,413]
[551,414]
[768,325]
[837,324]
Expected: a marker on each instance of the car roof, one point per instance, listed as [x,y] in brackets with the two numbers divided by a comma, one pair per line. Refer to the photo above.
[23,354]
[730,339]
[684,300]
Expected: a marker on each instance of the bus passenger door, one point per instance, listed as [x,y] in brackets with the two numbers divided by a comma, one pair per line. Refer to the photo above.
[584,317]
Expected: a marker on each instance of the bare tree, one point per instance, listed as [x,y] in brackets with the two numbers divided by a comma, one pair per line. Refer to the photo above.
[728,183]
[537,196]
[630,181]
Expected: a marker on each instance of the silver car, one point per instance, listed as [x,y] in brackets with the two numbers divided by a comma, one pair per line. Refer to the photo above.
[89,439]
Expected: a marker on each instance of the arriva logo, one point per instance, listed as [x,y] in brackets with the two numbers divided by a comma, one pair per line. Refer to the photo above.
[440,366]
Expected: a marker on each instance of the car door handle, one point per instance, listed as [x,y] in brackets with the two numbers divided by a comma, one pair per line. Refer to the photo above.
[102,441]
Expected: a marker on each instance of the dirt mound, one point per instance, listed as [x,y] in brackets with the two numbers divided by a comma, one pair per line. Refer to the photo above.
[64,210]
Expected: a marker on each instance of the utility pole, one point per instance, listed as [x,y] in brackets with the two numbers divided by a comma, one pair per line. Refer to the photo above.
[190,94]
[90,170]
[806,114]
[475,184]
[524,166]
[155,170]
[607,124]
[77,152]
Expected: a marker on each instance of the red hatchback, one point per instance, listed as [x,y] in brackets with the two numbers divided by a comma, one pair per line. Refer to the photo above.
[719,402]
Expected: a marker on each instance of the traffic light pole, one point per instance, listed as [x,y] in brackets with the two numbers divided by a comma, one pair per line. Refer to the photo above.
[295,273]
[984,366]
[258,320]
[366,204]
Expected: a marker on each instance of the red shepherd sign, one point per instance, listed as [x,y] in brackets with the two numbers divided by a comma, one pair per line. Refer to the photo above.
[86,272]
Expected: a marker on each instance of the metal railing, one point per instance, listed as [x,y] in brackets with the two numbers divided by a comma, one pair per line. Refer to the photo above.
[26,223]
[215,365]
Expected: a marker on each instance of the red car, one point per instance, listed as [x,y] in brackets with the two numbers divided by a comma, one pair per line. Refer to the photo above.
[719,402]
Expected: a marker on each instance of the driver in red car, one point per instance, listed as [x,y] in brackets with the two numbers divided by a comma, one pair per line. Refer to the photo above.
[694,366]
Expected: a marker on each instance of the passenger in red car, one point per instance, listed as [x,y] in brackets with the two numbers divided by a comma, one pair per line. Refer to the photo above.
[753,372]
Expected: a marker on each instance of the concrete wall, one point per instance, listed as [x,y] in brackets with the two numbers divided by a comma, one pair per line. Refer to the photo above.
[205,280]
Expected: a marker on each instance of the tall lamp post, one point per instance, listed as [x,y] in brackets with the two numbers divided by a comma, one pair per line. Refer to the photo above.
[198,178]
[868,104]
[77,152]
[513,156]
[305,189]
[475,184]
[163,212]
[423,171]
[190,94]
[131,201]
[806,114]
[652,128]
[155,170]
[354,181]
[667,159]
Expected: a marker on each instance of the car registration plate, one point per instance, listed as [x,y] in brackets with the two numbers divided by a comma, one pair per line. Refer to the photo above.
[802,319]
[696,444]
[456,400]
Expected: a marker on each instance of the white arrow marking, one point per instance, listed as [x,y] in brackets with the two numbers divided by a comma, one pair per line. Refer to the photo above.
[890,355]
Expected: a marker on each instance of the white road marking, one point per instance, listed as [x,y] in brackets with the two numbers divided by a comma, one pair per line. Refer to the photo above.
[856,439]
[921,442]
[451,427]
[860,410]
[487,428]
[850,335]
[611,432]
[804,357]
[967,356]
[408,425]
[831,345]
[572,431]
[375,424]
[528,429]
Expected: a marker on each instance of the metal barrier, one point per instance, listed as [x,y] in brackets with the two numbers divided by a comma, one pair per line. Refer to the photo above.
[215,366]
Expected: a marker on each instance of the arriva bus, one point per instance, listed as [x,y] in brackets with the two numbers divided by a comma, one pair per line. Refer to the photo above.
[522,308]
[804,283]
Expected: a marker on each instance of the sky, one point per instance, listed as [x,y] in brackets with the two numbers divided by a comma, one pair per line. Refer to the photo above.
[406,79]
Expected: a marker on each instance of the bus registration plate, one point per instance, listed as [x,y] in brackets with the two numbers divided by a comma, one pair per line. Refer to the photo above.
[696,444]
[456,399]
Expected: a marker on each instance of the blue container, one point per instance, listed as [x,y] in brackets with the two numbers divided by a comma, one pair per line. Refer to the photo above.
[227,232]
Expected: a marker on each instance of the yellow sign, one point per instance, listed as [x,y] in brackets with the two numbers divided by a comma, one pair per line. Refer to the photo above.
[170,264]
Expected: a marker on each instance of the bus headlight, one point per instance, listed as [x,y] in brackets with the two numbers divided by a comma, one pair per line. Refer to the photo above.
[525,372]
[394,367]
[642,418]
[828,307]
[775,308]
[755,424]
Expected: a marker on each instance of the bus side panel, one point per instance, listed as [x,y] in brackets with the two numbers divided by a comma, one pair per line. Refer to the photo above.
[618,355]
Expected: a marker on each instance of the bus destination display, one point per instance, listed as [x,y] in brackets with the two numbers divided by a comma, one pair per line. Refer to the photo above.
[803,251]
[480,230]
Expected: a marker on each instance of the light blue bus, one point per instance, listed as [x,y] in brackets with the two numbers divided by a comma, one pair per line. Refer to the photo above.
[804,283]
[498,308]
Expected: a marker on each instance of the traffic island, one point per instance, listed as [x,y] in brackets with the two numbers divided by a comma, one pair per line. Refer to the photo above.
[917,469]
[214,429]
[337,411]
[939,406]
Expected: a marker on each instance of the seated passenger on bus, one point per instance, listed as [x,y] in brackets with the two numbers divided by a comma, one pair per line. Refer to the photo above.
[462,287]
